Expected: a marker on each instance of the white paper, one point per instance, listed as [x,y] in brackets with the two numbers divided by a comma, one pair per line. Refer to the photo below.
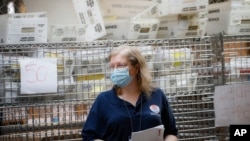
[38,75]
[231,104]
[151,134]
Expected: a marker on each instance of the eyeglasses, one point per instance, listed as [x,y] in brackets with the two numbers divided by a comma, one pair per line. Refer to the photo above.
[118,66]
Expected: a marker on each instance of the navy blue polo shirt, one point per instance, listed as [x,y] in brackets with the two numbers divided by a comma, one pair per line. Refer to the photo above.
[113,119]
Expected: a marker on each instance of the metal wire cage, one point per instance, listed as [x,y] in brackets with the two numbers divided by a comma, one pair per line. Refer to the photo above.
[12,6]
[230,65]
[181,67]
[4,6]
[186,69]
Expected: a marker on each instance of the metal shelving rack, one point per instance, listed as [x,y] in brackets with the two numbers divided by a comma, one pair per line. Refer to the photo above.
[196,65]
[46,116]
[231,65]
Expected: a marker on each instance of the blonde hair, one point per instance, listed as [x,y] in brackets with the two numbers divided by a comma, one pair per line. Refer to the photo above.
[135,57]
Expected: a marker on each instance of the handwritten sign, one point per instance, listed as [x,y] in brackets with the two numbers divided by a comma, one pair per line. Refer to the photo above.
[38,75]
[232,104]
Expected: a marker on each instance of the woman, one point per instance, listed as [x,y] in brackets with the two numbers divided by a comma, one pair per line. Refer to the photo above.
[131,105]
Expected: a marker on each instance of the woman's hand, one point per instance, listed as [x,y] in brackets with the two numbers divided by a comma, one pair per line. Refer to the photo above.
[170,138]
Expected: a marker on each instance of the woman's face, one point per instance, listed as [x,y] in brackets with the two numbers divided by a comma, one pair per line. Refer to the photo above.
[120,61]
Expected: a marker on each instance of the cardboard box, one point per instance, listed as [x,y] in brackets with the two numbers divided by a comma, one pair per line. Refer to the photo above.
[89,14]
[143,28]
[122,29]
[23,28]
[187,6]
[193,25]
[183,25]
[230,18]
[130,19]
[85,13]
[163,9]
[124,9]
[68,33]
[116,29]
[148,13]
[168,27]
[175,7]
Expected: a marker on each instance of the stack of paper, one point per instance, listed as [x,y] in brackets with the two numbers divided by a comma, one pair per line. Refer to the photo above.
[151,134]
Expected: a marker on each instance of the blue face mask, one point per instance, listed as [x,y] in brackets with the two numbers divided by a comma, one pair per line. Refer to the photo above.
[121,77]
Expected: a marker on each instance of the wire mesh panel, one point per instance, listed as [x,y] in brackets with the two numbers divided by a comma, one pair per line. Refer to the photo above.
[12,6]
[4,6]
[181,67]
[53,115]
[188,85]
[231,66]
[236,59]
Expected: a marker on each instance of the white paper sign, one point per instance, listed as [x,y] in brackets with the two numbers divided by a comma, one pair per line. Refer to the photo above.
[38,75]
[151,134]
[232,104]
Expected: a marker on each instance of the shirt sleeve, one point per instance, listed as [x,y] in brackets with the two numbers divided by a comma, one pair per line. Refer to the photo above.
[94,125]
[168,118]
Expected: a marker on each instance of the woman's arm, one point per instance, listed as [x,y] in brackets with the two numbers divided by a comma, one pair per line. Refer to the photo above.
[170,138]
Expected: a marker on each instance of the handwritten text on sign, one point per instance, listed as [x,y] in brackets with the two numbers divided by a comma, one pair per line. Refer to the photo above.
[232,104]
[38,75]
